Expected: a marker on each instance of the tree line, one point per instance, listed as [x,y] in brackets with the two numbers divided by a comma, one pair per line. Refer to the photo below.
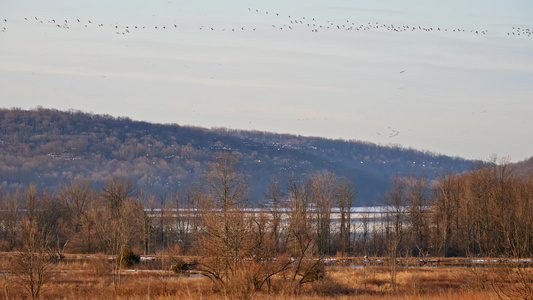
[484,212]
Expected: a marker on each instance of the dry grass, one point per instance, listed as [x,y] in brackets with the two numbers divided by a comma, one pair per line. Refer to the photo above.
[90,278]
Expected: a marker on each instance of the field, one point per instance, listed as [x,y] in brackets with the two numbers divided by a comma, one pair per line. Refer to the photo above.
[90,277]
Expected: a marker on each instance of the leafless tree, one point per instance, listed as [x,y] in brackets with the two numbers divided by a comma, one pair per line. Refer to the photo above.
[116,190]
[394,217]
[193,197]
[267,259]
[10,218]
[76,199]
[118,221]
[301,240]
[75,196]
[147,220]
[323,195]
[32,268]
[445,212]
[226,232]
[274,195]
[346,195]
[417,202]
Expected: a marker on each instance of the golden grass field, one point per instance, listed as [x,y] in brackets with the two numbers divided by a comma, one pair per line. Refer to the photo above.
[91,278]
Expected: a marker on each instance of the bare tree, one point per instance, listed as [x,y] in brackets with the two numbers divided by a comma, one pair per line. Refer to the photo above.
[115,191]
[480,219]
[10,217]
[274,195]
[166,221]
[267,261]
[417,201]
[365,240]
[299,220]
[76,199]
[226,232]
[119,221]
[346,196]
[323,195]
[394,216]
[445,210]
[146,220]
[301,240]
[194,196]
[32,268]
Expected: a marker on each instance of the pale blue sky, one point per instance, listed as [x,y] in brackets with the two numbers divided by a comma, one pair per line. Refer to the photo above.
[455,93]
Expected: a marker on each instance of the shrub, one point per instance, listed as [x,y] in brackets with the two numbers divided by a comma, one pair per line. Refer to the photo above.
[313,272]
[128,258]
[240,285]
[180,267]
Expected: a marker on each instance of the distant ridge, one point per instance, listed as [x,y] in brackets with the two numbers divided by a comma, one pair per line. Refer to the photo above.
[523,167]
[48,146]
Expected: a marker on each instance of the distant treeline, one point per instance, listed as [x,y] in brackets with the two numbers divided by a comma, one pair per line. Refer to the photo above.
[484,212]
[49,147]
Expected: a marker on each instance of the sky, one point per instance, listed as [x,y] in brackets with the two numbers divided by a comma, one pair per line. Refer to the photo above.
[452,77]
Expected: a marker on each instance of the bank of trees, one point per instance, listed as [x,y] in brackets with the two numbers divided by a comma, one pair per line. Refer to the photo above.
[484,212]
[487,211]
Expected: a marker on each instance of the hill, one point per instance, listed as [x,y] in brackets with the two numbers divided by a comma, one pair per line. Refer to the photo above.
[523,167]
[47,146]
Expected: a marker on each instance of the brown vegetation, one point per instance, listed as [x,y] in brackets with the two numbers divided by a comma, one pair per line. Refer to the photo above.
[90,277]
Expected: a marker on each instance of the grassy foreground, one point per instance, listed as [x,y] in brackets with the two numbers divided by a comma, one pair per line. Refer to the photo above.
[90,277]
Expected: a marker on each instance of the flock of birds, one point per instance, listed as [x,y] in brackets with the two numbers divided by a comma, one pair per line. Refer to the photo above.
[283,22]
[517,31]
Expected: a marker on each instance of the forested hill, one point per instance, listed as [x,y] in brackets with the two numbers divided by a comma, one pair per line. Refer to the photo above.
[47,147]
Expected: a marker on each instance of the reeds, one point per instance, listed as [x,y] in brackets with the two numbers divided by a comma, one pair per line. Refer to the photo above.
[91,278]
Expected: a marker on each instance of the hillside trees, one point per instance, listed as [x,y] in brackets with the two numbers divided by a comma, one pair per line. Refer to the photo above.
[48,147]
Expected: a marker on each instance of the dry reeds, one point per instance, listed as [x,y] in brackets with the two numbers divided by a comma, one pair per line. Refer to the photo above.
[91,278]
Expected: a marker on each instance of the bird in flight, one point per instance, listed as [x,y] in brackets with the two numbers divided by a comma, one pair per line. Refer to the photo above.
[393,132]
